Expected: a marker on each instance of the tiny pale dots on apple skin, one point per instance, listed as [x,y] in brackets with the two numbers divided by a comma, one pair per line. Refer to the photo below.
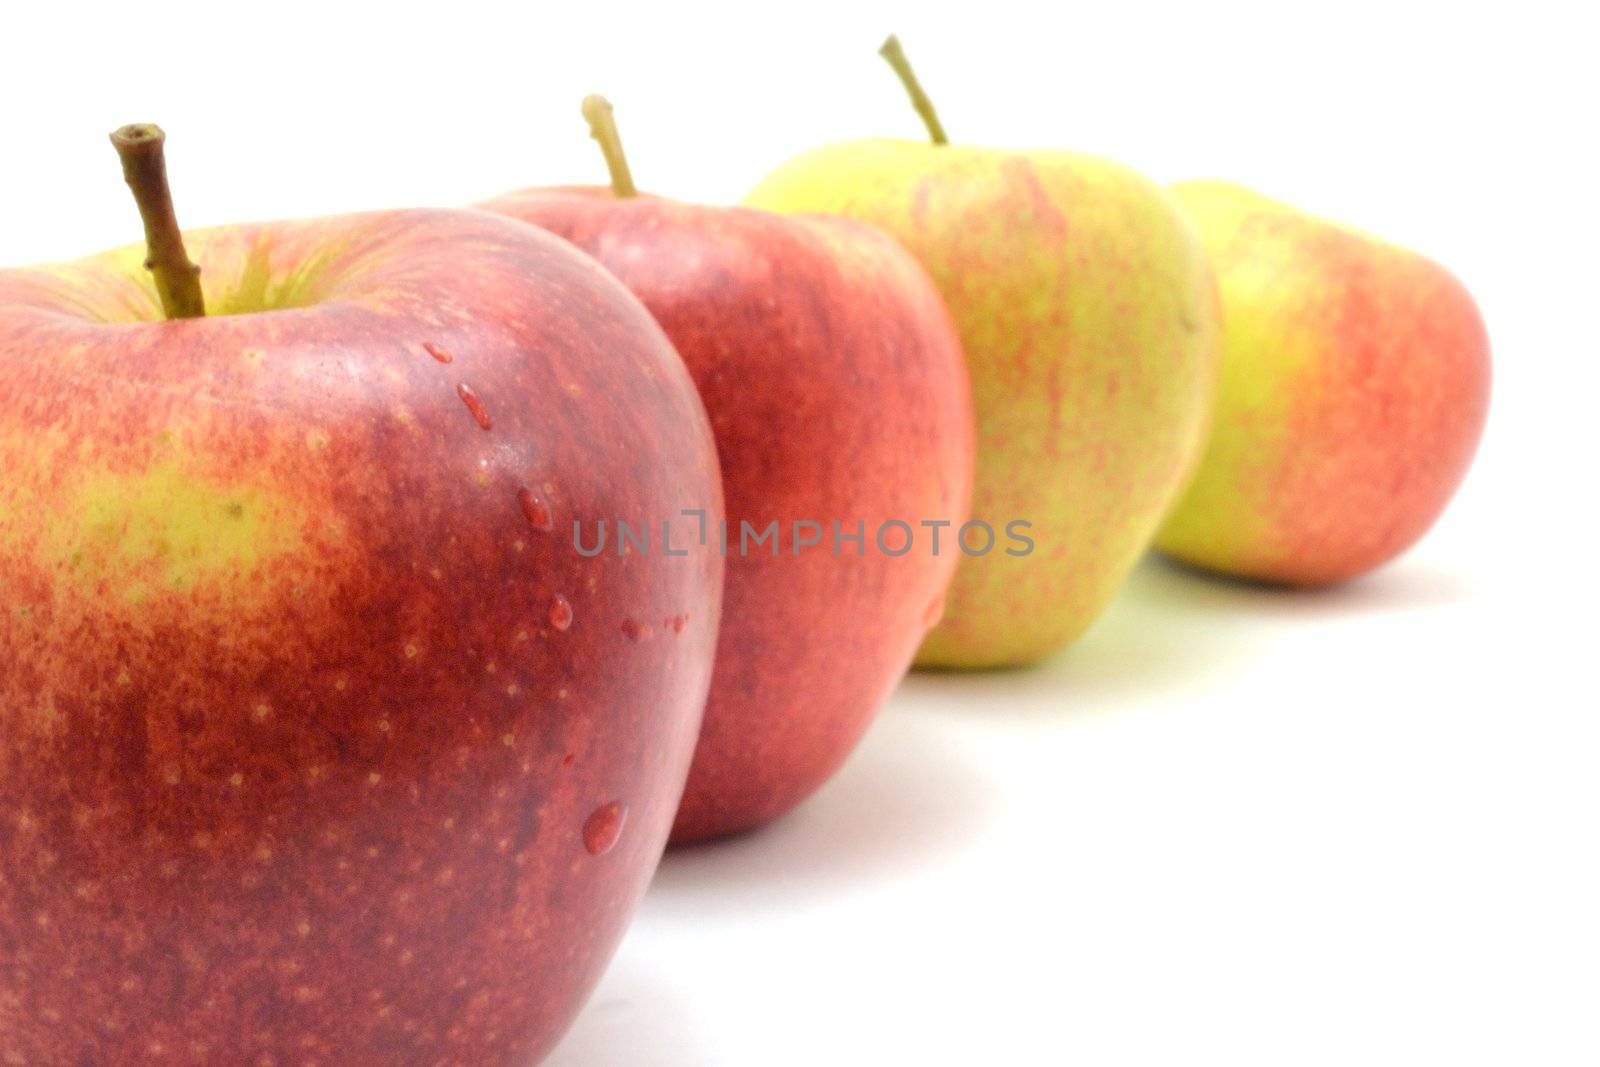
[474,403]
[283,700]
[561,613]
[603,828]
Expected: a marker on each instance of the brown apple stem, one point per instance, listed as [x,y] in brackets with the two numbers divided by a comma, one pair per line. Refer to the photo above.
[144,167]
[603,128]
[896,56]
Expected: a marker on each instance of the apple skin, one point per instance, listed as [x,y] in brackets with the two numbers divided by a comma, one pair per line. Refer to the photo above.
[837,391]
[298,765]
[1088,314]
[1355,386]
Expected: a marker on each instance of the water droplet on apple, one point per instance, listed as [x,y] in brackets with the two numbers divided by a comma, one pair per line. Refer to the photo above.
[475,405]
[602,829]
[439,352]
[561,613]
[537,511]
[635,631]
[678,622]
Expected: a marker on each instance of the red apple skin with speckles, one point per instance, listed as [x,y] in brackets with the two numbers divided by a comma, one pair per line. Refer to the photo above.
[837,390]
[296,768]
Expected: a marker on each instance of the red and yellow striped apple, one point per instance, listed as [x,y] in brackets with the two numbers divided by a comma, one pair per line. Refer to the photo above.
[321,743]
[1088,315]
[837,393]
[1355,384]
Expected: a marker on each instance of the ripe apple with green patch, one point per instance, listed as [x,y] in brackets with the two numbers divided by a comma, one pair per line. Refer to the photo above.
[321,743]
[838,396]
[1088,314]
[1355,386]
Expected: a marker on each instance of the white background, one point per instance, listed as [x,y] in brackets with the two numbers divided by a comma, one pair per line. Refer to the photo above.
[1231,826]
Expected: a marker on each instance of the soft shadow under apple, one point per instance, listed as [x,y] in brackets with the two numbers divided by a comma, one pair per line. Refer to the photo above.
[1169,627]
[906,798]
[635,1016]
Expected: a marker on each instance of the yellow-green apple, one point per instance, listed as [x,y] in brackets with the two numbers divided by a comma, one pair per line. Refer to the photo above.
[1354,388]
[321,742]
[838,397]
[1088,314]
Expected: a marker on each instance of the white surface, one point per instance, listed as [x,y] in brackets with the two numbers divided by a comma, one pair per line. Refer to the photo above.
[1231,826]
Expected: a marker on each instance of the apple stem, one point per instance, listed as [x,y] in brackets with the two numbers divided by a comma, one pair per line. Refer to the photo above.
[896,56]
[603,128]
[144,167]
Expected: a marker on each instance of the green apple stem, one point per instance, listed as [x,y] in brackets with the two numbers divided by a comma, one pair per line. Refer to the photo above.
[144,167]
[603,128]
[896,56]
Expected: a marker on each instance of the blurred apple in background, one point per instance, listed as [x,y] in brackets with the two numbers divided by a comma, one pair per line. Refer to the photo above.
[837,392]
[1355,385]
[322,744]
[1088,314]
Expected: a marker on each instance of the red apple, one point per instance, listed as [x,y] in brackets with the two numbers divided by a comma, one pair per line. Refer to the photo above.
[1355,386]
[837,392]
[321,742]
